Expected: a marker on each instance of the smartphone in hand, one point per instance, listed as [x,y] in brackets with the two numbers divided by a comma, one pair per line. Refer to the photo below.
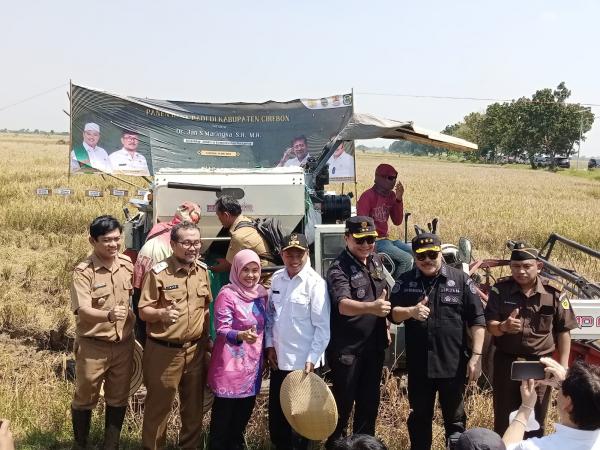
[527,370]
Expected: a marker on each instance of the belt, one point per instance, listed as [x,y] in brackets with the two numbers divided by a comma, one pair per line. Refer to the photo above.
[92,338]
[174,344]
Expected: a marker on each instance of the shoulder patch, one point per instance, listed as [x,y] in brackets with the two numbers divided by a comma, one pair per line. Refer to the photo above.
[495,289]
[124,257]
[553,284]
[472,287]
[565,304]
[83,265]
[202,264]
[158,268]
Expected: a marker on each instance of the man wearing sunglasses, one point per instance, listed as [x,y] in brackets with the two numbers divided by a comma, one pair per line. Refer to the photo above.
[438,305]
[359,306]
[382,202]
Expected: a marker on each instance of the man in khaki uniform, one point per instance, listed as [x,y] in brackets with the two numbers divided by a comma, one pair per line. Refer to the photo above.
[243,236]
[529,320]
[174,304]
[104,340]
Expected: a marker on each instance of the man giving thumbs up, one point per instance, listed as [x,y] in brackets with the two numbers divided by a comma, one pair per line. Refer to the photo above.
[437,304]
[526,317]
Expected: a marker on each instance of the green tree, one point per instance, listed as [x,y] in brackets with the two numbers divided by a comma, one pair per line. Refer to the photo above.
[544,124]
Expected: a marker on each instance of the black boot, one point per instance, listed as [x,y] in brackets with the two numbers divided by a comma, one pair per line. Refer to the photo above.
[113,422]
[81,419]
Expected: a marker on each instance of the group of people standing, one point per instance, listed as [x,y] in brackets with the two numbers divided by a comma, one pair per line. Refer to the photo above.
[288,324]
[296,321]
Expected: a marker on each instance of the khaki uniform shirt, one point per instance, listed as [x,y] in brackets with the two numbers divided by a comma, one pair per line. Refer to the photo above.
[103,287]
[187,290]
[543,314]
[246,237]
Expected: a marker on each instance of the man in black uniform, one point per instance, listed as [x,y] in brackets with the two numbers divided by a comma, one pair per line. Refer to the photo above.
[526,317]
[437,304]
[359,306]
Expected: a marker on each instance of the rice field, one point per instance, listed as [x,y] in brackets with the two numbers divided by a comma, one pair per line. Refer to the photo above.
[41,239]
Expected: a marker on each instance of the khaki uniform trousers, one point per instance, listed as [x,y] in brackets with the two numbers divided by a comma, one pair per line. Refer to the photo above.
[166,371]
[97,361]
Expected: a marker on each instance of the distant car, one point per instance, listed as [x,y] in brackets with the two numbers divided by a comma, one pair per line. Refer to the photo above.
[593,163]
[541,161]
[563,163]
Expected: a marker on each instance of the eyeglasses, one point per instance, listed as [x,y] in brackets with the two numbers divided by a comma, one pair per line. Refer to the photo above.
[190,244]
[368,239]
[389,177]
[429,255]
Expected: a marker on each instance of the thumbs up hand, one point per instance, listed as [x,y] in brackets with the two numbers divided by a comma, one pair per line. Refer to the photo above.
[421,311]
[513,324]
[169,315]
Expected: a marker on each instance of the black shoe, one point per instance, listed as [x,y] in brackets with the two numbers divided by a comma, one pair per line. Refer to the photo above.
[81,427]
[113,422]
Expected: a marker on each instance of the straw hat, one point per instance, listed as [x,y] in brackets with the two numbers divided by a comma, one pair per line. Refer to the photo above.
[308,405]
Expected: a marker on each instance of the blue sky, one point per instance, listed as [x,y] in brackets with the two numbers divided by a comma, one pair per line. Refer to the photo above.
[256,51]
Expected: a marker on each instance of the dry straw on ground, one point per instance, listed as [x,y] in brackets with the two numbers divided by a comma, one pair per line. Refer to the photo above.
[42,238]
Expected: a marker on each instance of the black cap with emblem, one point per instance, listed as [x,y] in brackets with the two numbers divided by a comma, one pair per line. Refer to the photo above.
[426,241]
[360,226]
[295,240]
[521,252]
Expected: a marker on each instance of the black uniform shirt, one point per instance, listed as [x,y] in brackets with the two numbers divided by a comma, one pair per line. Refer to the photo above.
[438,346]
[349,278]
[543,314]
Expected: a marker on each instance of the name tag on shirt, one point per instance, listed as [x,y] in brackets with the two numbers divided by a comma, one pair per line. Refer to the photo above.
[171,287]
[450,299]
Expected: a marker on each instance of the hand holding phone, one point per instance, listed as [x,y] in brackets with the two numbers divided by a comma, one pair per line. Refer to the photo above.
[527,370]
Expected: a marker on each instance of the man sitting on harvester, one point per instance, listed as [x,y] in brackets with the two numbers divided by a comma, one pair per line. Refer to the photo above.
[381,202]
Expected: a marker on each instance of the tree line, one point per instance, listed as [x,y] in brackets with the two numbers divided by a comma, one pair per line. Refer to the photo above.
[545,124]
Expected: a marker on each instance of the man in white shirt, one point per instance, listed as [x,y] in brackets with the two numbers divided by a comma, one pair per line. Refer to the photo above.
[297,154]
[296,332]
[578,404]
[128,161]
[341,164]
[89,156]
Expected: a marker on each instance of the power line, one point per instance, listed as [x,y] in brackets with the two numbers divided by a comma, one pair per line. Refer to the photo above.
[479,99]
[2,108]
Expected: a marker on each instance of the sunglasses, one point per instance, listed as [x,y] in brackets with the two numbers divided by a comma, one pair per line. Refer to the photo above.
[368,239]
[429,255]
